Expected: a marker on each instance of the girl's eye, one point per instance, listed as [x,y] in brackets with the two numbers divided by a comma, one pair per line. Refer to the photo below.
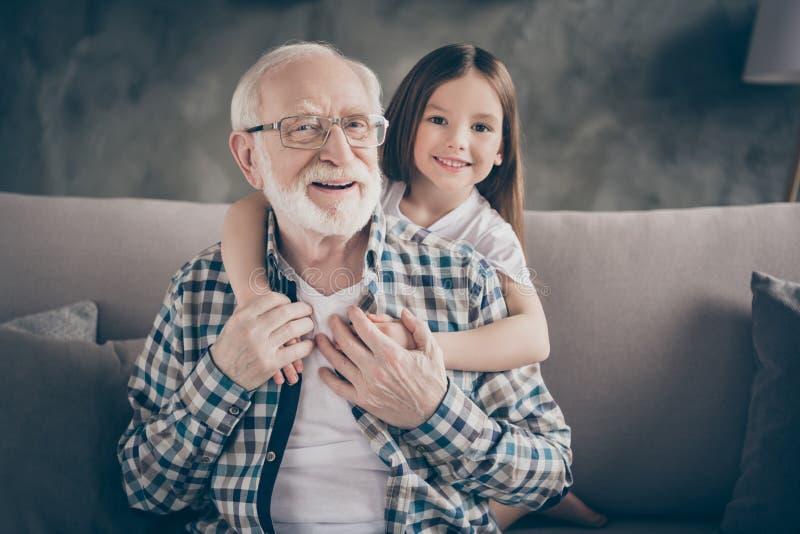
[437,120]
[480,127]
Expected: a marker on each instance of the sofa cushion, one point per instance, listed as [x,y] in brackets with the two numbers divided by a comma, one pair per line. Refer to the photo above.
[64,408]
[539,525]
[76,321]
[767,493]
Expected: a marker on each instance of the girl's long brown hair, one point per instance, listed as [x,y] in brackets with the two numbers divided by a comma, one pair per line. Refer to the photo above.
[503,188]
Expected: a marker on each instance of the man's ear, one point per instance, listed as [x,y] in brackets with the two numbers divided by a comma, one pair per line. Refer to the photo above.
[243,150]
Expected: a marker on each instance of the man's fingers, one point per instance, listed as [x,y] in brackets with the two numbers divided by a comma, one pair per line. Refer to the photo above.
[348,341]
[339,361]
[337,385]
[263,304]
[278,378]
[288,354]
[419,330]
[290,374]
[278,316]
[298,365]
[284,335]
[369,332]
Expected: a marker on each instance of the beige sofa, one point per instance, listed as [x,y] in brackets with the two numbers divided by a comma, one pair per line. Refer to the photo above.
[649,316]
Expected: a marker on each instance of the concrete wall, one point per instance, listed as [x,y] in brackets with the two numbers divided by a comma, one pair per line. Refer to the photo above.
[626,104]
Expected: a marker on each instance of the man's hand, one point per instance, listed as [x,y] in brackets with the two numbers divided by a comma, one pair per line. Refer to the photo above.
[253,344]
[401,387]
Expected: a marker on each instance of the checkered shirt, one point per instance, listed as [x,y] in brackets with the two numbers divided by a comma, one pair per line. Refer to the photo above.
[197,439]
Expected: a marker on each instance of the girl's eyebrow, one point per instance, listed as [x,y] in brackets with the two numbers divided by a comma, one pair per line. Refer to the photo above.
[434,106]
[477,116]
[488,117]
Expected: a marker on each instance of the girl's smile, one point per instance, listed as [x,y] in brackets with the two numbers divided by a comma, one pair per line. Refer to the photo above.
[451,164]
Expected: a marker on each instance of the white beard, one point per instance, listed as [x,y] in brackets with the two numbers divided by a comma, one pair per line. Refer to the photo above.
[344,218]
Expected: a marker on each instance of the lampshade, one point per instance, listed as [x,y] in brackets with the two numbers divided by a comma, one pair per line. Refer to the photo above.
[774,55]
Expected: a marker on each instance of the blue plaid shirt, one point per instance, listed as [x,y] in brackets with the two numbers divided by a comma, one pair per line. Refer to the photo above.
[197,439]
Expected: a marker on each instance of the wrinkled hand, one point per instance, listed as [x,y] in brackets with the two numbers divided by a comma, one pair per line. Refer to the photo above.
[253,344]
[399,386]
[394,329]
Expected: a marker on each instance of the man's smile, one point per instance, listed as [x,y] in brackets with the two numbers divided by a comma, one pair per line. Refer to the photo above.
[333,186]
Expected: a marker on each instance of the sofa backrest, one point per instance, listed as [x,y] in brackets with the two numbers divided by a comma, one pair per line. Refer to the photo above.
[651,355]
[118,252]
[648,312]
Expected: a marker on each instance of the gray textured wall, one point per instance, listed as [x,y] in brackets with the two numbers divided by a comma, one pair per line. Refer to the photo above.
[626,104]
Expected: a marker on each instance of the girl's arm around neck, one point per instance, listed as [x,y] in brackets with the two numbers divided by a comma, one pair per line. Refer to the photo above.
[519,339]
[244,245]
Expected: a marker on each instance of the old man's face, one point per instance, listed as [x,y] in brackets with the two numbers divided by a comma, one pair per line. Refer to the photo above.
[333,190]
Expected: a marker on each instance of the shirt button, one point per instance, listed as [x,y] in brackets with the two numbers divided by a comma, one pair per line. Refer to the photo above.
[205,460]
[234,410]
[270,456]
[422,448]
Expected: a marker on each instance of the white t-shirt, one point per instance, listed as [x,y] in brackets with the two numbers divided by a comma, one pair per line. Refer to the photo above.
[476,223]
[329,481]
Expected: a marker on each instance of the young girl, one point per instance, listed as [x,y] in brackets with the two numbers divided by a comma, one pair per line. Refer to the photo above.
[452,157]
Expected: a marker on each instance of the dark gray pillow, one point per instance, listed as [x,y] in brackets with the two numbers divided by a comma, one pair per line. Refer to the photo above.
[767,493]
[64,406]
[75,321]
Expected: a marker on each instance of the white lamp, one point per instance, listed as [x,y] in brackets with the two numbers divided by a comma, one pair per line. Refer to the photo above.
[774,58]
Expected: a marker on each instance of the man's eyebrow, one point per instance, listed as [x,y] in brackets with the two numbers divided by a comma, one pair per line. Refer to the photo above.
[306,107]
[349,112]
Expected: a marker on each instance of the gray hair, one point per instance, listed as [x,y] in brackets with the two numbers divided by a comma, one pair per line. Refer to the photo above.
[244,104]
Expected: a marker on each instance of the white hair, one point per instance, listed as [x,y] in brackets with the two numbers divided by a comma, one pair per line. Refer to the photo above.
[244,104]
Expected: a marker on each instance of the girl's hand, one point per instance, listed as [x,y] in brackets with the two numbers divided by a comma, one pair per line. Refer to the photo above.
[394,329]
[290,372]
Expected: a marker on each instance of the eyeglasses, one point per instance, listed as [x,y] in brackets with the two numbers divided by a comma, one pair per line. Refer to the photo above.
[310,132]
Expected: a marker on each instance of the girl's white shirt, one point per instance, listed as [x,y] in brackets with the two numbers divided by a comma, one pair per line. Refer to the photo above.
[476,223]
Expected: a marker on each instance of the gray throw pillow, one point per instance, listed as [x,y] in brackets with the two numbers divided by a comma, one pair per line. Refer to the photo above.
[64,409]
[767,493]
[75,321]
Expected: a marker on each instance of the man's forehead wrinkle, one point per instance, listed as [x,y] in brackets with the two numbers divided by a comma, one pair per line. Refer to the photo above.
[338,105]
[321,86]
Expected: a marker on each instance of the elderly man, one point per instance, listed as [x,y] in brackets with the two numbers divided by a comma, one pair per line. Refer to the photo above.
[394,443]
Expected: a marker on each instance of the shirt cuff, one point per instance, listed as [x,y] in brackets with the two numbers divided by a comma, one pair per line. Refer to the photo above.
[212,398]
[452,431]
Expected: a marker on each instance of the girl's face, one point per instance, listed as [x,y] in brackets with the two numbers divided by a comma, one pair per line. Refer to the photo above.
[460,136]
